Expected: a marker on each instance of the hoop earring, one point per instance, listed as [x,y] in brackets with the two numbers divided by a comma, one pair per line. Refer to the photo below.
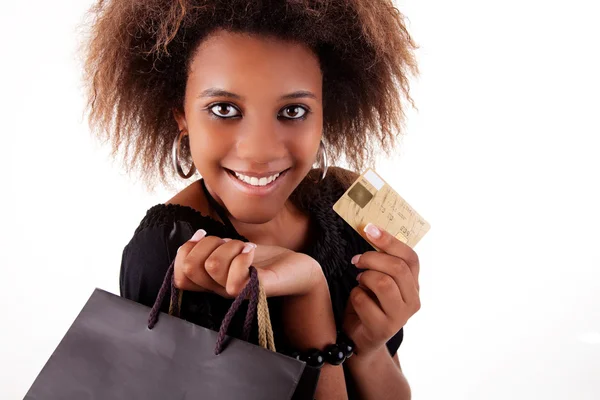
[175,157]
[323,159]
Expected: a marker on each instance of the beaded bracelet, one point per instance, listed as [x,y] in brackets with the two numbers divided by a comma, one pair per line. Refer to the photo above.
[334,354]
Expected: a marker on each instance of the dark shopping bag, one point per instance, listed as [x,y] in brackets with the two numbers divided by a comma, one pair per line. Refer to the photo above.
[110,352]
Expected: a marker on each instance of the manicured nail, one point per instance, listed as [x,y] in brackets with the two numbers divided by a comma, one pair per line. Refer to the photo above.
[226,240]
[358,276]
[248,247]
[355,259]
[372,231]
[200,233]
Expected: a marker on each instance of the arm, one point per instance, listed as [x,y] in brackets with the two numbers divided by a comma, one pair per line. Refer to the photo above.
[144,263]
[204,262]
[379,376]
[309,323]
[386,297]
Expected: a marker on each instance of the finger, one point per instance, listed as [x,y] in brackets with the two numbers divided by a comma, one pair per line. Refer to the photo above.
[238,271]
[386,290]
[367,310]
[184,283]
[180,280]
[393,246]
[409,289]
[393,266]
[218,262]
[190,263]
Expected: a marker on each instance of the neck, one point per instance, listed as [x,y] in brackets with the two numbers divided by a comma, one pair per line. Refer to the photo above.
[289,229]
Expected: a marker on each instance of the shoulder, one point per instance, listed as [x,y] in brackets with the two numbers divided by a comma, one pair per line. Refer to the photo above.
[154,243]
[343,177]
[151,249]
[339,179]
[188,207]
[192,197]
[316,193]
[334,242]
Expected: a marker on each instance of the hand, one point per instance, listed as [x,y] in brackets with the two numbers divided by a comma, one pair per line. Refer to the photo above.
[387,295]
[209,263]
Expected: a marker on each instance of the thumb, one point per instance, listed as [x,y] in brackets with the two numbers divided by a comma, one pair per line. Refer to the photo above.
[239,274]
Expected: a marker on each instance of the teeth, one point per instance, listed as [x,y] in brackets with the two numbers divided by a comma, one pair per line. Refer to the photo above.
[255,181]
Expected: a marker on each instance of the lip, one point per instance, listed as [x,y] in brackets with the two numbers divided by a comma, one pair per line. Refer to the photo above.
[256,190]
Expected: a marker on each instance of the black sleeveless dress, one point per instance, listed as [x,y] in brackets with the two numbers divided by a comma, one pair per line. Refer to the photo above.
[166,227]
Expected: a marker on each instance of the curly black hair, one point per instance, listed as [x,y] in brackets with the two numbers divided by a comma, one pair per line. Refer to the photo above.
[137,54]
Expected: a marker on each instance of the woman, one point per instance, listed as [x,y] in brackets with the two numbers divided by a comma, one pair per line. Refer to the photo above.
[250,94]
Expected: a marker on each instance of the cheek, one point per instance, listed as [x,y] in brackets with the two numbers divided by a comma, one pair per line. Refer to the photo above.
[210,144]
[305,145]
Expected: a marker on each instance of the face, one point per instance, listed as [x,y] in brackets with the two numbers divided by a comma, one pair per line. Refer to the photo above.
[253,110]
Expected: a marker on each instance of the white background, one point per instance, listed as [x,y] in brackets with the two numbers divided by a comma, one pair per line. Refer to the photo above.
[501,158]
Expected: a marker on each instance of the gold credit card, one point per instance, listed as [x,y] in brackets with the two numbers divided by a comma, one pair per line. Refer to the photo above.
[371,199]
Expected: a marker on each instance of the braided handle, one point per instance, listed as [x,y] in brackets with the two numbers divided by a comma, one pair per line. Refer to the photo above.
[265,329]
[167,282]
[175,298]
[253,290]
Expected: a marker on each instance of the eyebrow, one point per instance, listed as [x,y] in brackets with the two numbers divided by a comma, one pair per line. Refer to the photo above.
[216,92]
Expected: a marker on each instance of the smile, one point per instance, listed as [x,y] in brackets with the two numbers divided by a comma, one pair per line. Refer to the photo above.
[255,181]
[257,184]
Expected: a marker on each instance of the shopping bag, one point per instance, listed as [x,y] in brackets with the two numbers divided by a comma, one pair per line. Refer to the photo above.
[119,349]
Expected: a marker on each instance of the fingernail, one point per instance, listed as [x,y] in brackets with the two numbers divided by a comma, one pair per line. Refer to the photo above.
[226,240]
[355,259]
[248,247]
[358,276]
[200,233]
[372,231]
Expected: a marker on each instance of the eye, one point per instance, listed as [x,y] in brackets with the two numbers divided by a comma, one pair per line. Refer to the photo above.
[294,112]
[224,110]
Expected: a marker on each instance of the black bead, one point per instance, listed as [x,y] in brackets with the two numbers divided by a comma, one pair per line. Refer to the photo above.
[346,344]
[296,355]
[314,358]
[348,350]
[334,354]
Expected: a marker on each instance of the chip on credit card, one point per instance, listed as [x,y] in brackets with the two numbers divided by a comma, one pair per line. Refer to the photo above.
[371,199]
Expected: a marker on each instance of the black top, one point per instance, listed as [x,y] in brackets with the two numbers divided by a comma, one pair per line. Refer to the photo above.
[166,227]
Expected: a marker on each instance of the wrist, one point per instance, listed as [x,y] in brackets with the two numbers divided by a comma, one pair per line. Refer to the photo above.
[333,354]
[368,359]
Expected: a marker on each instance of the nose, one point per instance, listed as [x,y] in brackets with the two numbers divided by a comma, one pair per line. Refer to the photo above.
[261,143]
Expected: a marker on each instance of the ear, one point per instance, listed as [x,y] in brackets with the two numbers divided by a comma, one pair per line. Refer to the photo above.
[180,118]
